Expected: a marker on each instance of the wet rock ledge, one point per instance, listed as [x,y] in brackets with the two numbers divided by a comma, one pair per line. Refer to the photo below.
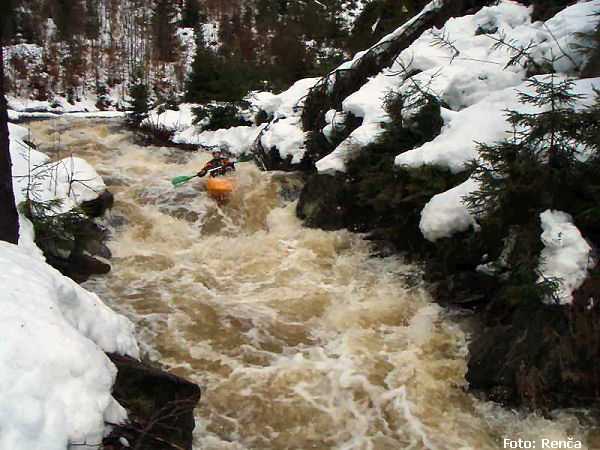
[160,407]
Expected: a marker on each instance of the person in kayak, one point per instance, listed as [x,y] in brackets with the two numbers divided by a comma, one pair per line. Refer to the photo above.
[221,163]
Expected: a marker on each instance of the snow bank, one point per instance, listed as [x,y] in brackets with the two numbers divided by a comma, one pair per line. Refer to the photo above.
[365,103]
[284,132]
[56,379]
[566,255]
[446,213]
[71,179]
[484,121]
[19,108]
[468,74]
[172,120]
[286,104]
[237,139]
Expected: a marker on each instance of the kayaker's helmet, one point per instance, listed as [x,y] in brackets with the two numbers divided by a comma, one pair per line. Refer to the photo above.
[217,153]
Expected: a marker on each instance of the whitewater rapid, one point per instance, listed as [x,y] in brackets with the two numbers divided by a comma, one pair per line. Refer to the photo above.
[299,338]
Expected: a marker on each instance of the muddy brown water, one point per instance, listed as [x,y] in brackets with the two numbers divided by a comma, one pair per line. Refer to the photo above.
[299,338]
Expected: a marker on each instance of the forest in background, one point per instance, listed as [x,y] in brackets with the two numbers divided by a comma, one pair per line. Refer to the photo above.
[197,50]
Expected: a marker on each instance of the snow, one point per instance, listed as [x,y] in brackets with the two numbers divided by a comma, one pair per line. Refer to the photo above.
[334,119]
[286,104]
[20,108]
[237,139]
[566,254]
[56,378]
[361,104]
[287,136]
[172,120]
[477,78]
[71,180]
[485,121]
[284,131]
[446,213]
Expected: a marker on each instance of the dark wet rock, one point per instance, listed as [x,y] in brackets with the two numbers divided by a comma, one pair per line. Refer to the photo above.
[98,248]
[77,266]
[160,407]
[71,242]
[82,266]
[117,221]
[323,202]
[114,181]
[98,206]
[182,213]
[289,184]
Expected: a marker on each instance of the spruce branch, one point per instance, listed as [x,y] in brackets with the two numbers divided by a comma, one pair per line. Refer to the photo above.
[517,52]
[442,40]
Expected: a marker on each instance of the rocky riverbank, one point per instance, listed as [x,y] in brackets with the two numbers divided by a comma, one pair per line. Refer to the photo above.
[160,406]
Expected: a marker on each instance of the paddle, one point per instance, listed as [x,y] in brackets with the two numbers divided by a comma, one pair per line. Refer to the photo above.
[182,178]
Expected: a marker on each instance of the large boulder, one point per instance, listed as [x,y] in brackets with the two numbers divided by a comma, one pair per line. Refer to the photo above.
[73,242]
[98,206]
[160,407]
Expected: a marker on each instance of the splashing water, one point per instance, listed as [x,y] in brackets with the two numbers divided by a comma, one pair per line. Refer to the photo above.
[299,338]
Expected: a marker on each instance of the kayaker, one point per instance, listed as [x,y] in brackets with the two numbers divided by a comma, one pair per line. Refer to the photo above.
[220,162]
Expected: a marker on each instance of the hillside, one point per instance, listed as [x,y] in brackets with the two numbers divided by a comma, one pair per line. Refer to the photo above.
[90,50]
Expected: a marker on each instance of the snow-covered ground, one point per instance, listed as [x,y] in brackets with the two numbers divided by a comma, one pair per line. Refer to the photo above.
[56,379]
[470,76]
[284,131]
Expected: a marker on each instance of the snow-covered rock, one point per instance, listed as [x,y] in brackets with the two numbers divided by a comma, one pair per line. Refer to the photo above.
[566,255]
[447,213]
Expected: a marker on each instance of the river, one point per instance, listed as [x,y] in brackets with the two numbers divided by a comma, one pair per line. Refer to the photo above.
[299,338]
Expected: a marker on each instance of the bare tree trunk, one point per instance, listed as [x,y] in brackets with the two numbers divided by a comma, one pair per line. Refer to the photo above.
[9,219]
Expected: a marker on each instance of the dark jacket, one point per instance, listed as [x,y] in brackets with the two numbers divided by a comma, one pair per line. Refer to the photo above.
[224,164]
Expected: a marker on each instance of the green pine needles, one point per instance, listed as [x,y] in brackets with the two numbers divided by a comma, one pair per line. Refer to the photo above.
[140,100]
[551,161]
[538,168]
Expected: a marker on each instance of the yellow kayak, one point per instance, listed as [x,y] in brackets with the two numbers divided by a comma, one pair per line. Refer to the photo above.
[219,187]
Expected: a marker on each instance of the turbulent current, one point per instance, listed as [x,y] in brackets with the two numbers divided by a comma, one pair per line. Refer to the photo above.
[299,338]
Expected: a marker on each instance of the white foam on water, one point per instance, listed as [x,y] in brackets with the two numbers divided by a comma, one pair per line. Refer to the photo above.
[298,337]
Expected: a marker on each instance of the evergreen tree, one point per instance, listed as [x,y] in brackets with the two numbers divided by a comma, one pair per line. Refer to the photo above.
[221,79]
[68,16]
[92,19]
[163,31]
[140,100]
[551,162]
[204,76]
[191,15]
[535,169]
